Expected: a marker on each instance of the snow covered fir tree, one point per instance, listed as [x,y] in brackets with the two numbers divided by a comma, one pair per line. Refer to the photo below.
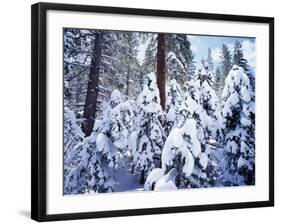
[157,111]
[149,128]
[237,112]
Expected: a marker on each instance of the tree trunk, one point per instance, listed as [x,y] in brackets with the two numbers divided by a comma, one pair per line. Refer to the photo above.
[142,177]
[161,68]
[128,82]
[129,61]
[93,88]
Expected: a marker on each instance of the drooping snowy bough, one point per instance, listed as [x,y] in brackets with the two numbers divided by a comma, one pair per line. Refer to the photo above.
[180,151]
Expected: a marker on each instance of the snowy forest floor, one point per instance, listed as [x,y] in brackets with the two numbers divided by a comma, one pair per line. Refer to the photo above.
[125,180]
[128,182]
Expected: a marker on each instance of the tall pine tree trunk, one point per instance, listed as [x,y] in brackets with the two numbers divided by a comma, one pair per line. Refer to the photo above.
[93,88]
[128,81]
[161,68]
[128,70]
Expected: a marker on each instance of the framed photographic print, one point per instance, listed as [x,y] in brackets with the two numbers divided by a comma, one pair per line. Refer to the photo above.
[138,111]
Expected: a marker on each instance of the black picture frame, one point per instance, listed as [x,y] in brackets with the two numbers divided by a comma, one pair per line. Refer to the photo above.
[39,114]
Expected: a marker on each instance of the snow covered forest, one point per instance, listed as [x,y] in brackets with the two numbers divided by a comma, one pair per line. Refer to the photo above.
[149,112]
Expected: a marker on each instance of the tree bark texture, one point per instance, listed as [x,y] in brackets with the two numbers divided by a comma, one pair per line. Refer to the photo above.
[90,107]
[161,68]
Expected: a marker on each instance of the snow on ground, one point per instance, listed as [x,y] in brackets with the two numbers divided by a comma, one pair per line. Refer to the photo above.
[126,180]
